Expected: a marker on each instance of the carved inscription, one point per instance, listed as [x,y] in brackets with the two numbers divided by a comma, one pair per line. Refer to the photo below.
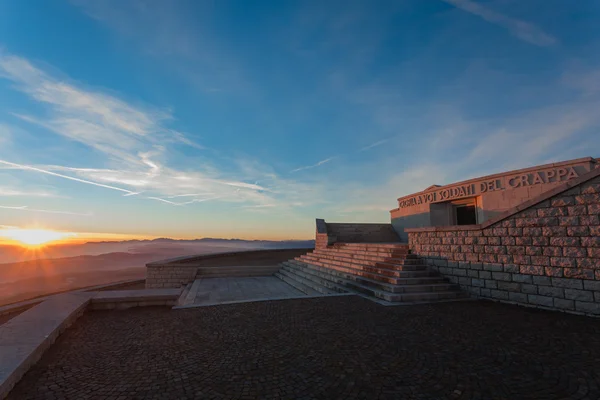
[502,183]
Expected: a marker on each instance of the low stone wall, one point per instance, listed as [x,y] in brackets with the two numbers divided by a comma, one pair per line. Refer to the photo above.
[165,276]
[328,233]
[544,253]
[178,272]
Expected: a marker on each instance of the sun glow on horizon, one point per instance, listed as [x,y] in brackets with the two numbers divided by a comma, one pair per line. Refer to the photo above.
[35,237]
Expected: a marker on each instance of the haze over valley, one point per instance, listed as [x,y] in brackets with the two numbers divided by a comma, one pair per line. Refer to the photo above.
[30,272]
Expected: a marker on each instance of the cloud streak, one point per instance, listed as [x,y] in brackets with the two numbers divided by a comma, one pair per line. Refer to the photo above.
[10,192]
[43,171]
[379,143]
[521,29]
[102,121]
[133,140]
[314,165]
[26,208]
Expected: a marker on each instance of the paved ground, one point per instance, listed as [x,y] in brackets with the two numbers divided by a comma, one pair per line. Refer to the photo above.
[324,348]
[220,290]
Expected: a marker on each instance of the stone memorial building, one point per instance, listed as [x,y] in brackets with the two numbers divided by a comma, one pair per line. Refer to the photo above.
[477,200]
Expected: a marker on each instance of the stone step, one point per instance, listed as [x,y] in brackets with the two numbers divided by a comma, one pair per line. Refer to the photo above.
[329,280]
[387,287]
[425,273]
[297,284]
[371,253]
[368,260]
[387,275]
[397,245]
[384,265]
[365,271]
[320,285]
[236,271]
[401,259]
[304,270]
[361,265]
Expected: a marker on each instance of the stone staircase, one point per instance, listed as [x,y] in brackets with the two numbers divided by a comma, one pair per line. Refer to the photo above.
[379,271]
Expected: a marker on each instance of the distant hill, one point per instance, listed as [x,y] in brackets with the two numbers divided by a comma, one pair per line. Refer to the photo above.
[173,248]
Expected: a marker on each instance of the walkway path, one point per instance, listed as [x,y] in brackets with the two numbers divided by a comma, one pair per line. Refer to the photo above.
[322,348]
[210,291]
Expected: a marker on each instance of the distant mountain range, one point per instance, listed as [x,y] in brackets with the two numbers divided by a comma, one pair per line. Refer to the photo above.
[169,240]
[161,246]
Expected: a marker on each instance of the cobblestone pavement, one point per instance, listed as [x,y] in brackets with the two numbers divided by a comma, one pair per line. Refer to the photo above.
[324,348]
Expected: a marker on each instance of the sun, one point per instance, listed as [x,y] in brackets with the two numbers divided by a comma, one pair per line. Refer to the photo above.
[34,237]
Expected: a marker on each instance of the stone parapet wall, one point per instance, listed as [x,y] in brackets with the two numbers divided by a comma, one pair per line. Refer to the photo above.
[361,233]
[545,253]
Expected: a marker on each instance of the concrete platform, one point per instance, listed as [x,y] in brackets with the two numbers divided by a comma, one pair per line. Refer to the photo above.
[213,291]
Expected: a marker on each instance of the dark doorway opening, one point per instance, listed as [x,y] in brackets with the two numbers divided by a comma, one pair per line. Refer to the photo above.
[466,215]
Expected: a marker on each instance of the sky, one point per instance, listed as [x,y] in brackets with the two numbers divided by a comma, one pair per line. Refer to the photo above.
[191,119]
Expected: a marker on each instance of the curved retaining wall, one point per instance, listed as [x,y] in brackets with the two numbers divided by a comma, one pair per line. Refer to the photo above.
[543,253]
[177,272]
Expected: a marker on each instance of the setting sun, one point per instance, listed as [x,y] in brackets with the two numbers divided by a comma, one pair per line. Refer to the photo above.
[34,237]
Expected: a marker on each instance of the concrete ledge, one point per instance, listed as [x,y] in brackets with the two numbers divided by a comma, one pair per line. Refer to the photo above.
[25,304]
[135,295]
[20,306]
[123,299]
[25,338]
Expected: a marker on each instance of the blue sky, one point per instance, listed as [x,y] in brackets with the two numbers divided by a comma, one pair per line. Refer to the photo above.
[250,119]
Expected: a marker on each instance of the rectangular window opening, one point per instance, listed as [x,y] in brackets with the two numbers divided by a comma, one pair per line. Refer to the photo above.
[465,212]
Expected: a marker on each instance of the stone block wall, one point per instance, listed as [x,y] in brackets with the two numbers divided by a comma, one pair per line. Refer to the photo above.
[546,254]
[362,233]
[164,276]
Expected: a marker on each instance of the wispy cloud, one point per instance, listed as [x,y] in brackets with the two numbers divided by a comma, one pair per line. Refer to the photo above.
[133,139]
[190,195]
[26,208]
[521,29]
[314,165]
[378,143]
[7,191]
[43,171]
[101,121]
[261,206]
